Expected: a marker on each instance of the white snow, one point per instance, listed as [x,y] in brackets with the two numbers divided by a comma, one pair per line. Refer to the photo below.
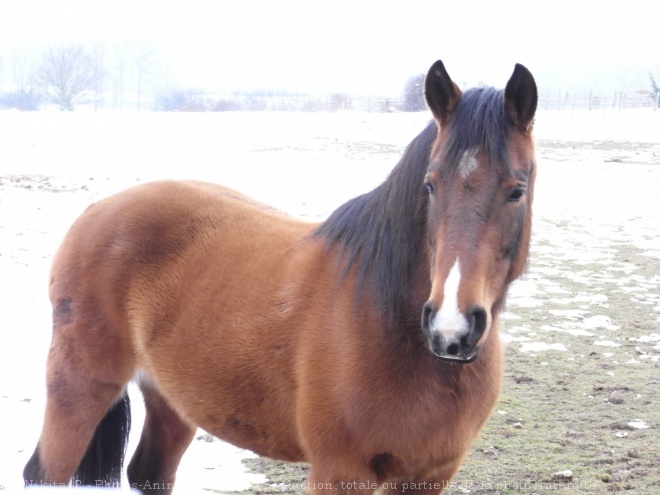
[541,346]
[607,343]
[599,321]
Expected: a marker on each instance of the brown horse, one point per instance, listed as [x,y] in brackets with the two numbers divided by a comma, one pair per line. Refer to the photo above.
[298,341]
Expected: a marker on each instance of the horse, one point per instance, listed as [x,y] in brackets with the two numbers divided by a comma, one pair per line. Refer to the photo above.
[366,345]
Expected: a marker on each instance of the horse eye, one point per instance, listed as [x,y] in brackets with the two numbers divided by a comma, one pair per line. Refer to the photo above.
[429,187]
[516,195]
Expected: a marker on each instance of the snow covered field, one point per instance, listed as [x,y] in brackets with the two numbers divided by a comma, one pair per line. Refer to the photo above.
[597,205]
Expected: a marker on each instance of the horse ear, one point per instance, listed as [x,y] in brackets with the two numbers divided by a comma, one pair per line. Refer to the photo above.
[442,94]
[521,97]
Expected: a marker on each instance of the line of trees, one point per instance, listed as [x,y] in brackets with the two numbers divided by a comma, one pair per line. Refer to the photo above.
[135,76]
[67,76]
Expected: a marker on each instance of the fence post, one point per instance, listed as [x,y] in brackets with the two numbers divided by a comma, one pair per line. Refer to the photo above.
[559,99]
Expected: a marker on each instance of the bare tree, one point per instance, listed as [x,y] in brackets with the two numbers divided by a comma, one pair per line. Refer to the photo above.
[23,70]
[134,70]
[23,95]
[413,94]
[98,55]
[655,88]
[70,75]
[145,61]
[117,75]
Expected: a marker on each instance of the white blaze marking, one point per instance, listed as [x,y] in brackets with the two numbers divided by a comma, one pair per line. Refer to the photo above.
[449,321]
[469,163]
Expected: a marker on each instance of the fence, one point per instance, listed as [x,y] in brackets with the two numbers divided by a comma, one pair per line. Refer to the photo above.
[192,101]
[201,102]
[559,101]
[619,101]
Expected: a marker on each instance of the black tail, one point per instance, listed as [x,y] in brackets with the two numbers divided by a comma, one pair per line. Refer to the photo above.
[104,459]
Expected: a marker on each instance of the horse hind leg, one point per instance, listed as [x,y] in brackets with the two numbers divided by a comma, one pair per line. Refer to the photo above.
[87,415]
[81,438]
[165,438]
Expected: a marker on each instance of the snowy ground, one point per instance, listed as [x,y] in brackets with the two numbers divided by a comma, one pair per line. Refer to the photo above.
[597,197]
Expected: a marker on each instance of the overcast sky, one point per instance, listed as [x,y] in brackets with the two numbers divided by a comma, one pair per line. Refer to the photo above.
[360,46]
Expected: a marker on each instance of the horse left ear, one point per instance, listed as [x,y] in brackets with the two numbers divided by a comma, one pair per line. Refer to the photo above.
[521,97]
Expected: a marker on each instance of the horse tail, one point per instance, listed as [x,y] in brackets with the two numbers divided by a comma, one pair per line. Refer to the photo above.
[103,462]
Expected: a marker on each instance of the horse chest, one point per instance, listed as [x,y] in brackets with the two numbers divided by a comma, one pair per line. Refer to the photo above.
[424,419]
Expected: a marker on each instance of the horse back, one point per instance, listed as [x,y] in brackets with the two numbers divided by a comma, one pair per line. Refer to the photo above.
[159,229]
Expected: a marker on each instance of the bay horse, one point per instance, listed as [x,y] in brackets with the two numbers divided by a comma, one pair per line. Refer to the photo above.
[366,345]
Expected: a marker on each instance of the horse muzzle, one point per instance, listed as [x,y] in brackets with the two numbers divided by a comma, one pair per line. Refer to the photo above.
[454,337]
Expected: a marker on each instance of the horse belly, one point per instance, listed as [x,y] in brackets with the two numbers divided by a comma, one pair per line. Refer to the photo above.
[225,368]
[219,379]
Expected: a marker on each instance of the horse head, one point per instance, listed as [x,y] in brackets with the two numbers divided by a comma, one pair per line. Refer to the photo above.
[480,183]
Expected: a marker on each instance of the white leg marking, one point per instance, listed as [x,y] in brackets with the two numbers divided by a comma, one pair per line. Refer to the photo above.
[449,321]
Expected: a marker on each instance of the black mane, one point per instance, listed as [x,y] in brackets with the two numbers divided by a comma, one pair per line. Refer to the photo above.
[382,234]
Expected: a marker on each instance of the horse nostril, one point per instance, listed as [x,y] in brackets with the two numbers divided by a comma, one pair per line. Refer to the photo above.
[427,309]
[478,319]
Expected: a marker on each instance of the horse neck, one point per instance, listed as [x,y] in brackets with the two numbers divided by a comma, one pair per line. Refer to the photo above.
[381,239]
